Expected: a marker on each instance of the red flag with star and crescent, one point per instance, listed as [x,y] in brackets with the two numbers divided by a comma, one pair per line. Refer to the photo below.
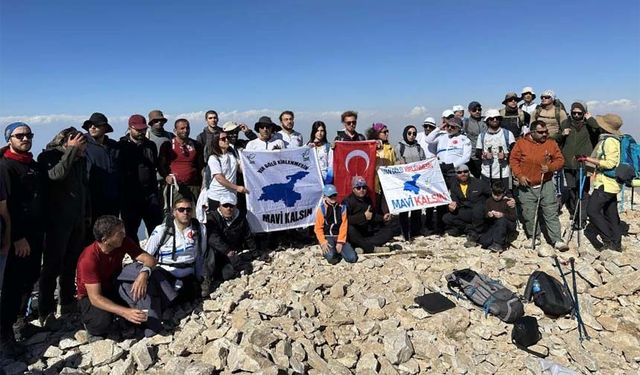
[354,159]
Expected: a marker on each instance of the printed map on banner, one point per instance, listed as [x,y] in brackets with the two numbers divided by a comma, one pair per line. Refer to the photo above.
[414,186]
[285,187]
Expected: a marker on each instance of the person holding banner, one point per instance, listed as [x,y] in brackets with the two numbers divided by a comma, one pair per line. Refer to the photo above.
[410,151]
[331,228]
[366,228]
[223,166]
[385,155]
[452,147]
[265,128]
[349,121]
[324,152]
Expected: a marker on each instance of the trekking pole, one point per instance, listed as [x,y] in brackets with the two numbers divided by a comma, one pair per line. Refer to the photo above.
[500,150]
[574,313]
[582,178]
[535,218]
[577,304]
[490,166]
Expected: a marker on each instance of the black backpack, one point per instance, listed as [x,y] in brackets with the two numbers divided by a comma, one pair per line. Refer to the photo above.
[494,298]
[525,332]
[554,298]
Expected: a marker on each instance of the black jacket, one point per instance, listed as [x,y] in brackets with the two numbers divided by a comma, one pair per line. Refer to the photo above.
[342,136]
[356,208]
[234,236]
[23,185]
[67,185]
[138,168]
[102,169]
[477,193]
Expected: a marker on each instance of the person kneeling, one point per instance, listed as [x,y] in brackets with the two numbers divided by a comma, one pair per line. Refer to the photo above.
[179,247]
[229,234]
[331,228]
[500,216]
[105,288]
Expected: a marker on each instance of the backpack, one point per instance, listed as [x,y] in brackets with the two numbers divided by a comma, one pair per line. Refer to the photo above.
[554,299]
[505,133]
[494,298]
[557,105]
[170,231]
[525,332]
[629,164]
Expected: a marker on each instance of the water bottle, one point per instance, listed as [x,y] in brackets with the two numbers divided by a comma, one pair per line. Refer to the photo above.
[536,287]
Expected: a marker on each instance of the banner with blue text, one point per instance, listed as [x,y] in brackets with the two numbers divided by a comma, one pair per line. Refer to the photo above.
[414,186]
[285,188]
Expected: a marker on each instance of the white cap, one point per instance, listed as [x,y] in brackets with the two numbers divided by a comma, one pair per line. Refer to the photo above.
[527,89]
[447,113]
[492,113]
[457,108]
[549,93]
[429,121]
[230,126]
[228,198]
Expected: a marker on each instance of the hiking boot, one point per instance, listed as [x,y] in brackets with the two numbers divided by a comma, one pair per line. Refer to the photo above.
[593,238]
[496,248]
[471,241]
[527,243]
[23,329]
[205,288]
[561,246]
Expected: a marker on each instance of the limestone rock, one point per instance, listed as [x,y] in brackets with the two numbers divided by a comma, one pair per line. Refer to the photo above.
[143,355]
[216,353]
[104,352]
[398,347]
[368,364]
[269,307]
[123,367]
[620,286]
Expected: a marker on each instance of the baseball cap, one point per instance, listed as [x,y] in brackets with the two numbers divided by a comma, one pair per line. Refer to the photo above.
[329,190]
[358,181]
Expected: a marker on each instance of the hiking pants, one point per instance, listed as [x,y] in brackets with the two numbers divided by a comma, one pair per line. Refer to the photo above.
[603,214]
[528,199]
[19,277]
[470,219]
[497,232]
[367,240]
[63,246]
[572,194]
[146,208]
[410,226]
[348,254]
[97,321]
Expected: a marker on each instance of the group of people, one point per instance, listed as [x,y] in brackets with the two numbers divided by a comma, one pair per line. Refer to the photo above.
[73,213]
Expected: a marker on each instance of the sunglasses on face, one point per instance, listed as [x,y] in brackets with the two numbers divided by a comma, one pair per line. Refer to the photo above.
[545,97]
[477,109]
[512,100]
[21,136]
[333,196]
[451,116]
[492,119]
[227,205]
[350,122]
[360,188]
[184,209]
[577,113]
[411,133]
[462,172]
[224,139]
[263,126]
[542,131]
[385,131]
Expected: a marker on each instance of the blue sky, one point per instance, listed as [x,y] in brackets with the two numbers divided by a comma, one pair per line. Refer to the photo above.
[394,61]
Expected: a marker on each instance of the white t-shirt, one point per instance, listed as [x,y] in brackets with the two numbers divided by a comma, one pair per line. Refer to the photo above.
[291,140]
[428,148]
[260,145]
[491,168]
[325,159]
[226,165]
[186,251]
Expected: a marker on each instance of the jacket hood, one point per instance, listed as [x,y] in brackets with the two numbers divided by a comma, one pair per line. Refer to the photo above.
[404,134]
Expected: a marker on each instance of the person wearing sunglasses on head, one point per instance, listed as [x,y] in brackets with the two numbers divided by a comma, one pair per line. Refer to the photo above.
[229,234]
[552,112]
[578,134]
[409,151]
[103,168]
[533,161]
[452,147]
[66,199]
[472,127]
[349,122]
[514,119]
[22,191]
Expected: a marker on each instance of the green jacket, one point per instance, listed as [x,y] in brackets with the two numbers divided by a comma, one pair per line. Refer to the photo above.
[578,142]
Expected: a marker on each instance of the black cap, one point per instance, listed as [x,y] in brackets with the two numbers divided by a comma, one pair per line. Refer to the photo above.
[473,105]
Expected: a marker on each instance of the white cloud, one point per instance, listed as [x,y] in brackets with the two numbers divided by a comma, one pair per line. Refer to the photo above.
[612,105]
[417,111]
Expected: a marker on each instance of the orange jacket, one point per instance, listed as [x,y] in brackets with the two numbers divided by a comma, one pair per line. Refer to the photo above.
[335,222]
[528,156]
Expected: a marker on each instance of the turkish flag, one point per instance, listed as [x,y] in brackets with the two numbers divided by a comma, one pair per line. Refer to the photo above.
[354,159]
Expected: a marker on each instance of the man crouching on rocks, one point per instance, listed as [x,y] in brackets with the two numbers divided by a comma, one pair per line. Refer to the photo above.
[105,288]
[331,228]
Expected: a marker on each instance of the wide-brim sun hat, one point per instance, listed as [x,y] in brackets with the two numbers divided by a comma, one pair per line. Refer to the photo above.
[97,119]
[611,123]
[492,113]
[266,120]
[529,90]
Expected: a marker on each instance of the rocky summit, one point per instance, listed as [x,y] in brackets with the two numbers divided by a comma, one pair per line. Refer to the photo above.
[291,312]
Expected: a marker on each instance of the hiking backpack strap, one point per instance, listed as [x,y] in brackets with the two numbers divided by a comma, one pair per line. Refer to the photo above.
[402,149]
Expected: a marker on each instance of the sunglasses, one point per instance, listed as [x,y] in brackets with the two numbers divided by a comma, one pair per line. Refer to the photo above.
[542,131]
[227,205]
[385,131]
[411,133]
[545,97]
[22,136]
[350,122]
[184,209]
[360,188]
[462,172]
[224,139]
[477,109]
[577,113]
[264,126]
[333,196]
[492,119]
[512,100]
[450,116]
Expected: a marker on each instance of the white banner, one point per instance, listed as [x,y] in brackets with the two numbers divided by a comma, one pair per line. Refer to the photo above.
[414,186]
[285,187]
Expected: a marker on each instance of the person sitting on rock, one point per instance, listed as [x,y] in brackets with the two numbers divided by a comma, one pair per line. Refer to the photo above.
[105,289]
[466,210]
[331,228]
[500,219]
[229,234]
[181,255]
[366,228]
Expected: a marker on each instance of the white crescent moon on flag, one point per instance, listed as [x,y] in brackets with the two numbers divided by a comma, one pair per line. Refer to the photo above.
[355,154]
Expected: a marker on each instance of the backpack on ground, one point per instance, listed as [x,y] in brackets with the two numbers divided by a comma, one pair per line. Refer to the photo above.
[494,298]
[554,299]
[525,332]
[629,159]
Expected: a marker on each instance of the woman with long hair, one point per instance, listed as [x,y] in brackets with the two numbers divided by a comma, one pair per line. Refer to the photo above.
[409,151]
[385,156]
[318,139]
[223,166]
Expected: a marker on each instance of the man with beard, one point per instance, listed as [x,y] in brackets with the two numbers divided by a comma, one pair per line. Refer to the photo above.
[64,164]
[265,141]
[22,188]
[206,136]
[138,167]
[514,119]
[156,133]
[577,134]
[102,167]
[492,147]
[472,127]
[551,112]
[453,147]
[290,137]
[181,162]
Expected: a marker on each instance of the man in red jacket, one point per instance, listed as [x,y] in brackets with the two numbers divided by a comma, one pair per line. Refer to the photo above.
[533,161]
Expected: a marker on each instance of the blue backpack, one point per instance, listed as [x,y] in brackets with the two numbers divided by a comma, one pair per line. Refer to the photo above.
[629,159]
